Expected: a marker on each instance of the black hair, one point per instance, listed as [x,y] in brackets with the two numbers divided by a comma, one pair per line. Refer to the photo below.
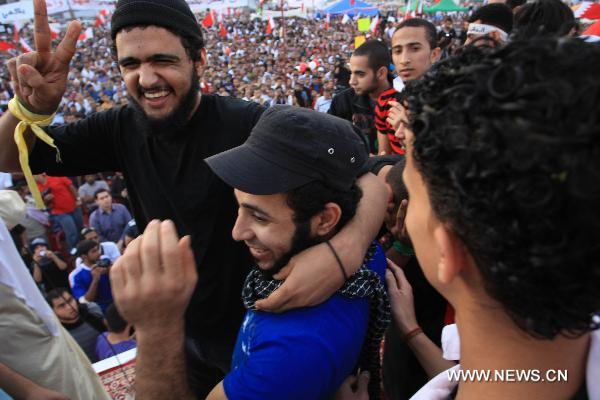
[512,4]
[495,14]
[394,179]
[308,200]
[191,44]
[114,320]
[56,293]
[508,145]
[84,247]
[377,53]
[101,190]
[430,31]
[544,17]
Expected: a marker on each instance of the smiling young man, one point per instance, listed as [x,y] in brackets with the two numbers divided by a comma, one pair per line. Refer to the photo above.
[159,141]
[304,353]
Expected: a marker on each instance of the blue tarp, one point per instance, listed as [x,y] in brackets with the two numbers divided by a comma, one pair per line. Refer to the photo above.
[344,7]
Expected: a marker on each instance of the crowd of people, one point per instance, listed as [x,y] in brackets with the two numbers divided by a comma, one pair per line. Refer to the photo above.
[319,219]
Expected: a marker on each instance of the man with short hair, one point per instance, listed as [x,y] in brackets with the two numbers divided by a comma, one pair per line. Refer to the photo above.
[414,51]
[507,196]
[369,78]
[83,321]
[300,354]
[158,141]
[110,219]
[88,190]
[90,282]
[490,25]
[107,249]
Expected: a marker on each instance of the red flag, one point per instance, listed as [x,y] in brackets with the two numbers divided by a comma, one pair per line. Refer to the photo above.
[270,26]
[101,18]
[352,3]
[209,20]
[53,32]
[222,30]
[6,46]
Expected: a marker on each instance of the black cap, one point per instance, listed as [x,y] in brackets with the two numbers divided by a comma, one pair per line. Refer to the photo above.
[175,15]
[290,147]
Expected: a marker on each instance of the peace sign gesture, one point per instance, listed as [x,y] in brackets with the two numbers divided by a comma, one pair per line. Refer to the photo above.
[39,78]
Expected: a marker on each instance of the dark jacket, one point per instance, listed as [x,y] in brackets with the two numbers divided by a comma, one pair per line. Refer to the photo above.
[359,110]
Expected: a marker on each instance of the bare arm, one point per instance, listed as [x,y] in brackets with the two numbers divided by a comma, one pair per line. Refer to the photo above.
[59,263]
[92,291]
[39,79]
[429,355]
[152,284]
[314,274]
[403,310]
[383,144]
[37,273]
[19,387]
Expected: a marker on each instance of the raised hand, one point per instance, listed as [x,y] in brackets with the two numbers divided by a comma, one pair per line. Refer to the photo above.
[153,281]
[39,78]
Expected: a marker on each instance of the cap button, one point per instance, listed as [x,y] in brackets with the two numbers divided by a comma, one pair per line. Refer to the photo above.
[331,150]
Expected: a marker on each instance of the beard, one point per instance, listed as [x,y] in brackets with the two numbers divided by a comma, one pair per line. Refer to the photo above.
[300,241]
[176,120]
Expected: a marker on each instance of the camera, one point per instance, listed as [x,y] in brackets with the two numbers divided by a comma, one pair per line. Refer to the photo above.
[104,262]
[43,253]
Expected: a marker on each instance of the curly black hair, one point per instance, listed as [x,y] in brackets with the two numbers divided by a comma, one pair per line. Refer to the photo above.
[508,144]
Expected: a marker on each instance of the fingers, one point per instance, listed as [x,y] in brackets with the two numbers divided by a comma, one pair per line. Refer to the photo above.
[132,265]
[394,103]
[187,260]
[29,80]
[12,69]
[150,248]
[170,257]
[279,301]
[41,29]
[67,46]
[398,275]
[362,387]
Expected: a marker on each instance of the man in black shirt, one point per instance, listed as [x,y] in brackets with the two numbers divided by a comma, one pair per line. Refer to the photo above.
[83,321]
[159,141]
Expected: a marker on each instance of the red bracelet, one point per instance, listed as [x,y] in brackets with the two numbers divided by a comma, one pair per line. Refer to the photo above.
[413,333]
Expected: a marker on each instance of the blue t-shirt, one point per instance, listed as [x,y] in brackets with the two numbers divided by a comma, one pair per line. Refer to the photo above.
[104,349]
[301,354]
[81,283]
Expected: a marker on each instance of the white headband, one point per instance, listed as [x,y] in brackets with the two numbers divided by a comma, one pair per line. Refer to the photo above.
[485,29]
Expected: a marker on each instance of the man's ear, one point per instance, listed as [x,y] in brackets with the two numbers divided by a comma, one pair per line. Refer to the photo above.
[202,62]
[325,222]
[435,55]
[453,257]
[382,74]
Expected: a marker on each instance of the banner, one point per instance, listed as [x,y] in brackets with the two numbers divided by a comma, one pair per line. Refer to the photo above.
[60,6]
[364,24]
[12,12]
[199,6]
